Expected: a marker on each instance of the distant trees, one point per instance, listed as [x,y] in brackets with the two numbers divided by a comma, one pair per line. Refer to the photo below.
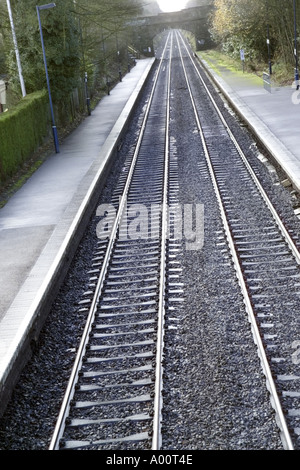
[243,24]
[79,36]
[104,36]
[61,39]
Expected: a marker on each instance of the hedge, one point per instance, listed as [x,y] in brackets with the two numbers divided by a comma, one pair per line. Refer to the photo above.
[22,130]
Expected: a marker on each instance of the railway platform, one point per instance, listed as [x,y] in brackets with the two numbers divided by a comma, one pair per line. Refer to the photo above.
[38,224]
[271,112]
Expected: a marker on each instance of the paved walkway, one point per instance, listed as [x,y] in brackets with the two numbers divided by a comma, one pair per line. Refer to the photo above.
[38,223]
[274,116]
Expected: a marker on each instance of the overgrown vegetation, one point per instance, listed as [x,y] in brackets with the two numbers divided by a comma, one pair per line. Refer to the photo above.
[21,131]
[247,24]
[80,36]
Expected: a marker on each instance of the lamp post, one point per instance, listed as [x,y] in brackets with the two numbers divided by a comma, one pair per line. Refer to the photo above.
[296,48]
[105,62]
[38,8]
[88,101]
[118,54]
[268,40]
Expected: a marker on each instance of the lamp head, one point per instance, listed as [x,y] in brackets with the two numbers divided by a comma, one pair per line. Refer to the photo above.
[46,7]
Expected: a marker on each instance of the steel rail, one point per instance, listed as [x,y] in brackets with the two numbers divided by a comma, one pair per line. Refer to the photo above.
[266,198]
[69,393]
[158,400]
[275,401]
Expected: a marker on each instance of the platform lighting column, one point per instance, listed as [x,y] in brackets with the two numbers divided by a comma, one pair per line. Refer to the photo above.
[38,8]
[105,63]
[296,48]
[88,101]
[268,40]
[118,54]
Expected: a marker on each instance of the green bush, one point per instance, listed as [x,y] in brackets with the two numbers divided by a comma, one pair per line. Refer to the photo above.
[22,130]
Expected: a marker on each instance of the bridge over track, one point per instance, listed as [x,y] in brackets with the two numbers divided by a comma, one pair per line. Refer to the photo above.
[195,20]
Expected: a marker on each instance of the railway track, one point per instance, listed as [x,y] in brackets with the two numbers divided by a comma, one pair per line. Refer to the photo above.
[115,387]
[114,397]
[264,253]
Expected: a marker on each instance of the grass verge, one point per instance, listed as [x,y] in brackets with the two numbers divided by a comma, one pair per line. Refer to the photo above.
[217,60]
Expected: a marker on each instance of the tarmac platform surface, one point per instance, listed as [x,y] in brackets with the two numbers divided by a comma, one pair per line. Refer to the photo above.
[272,113]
